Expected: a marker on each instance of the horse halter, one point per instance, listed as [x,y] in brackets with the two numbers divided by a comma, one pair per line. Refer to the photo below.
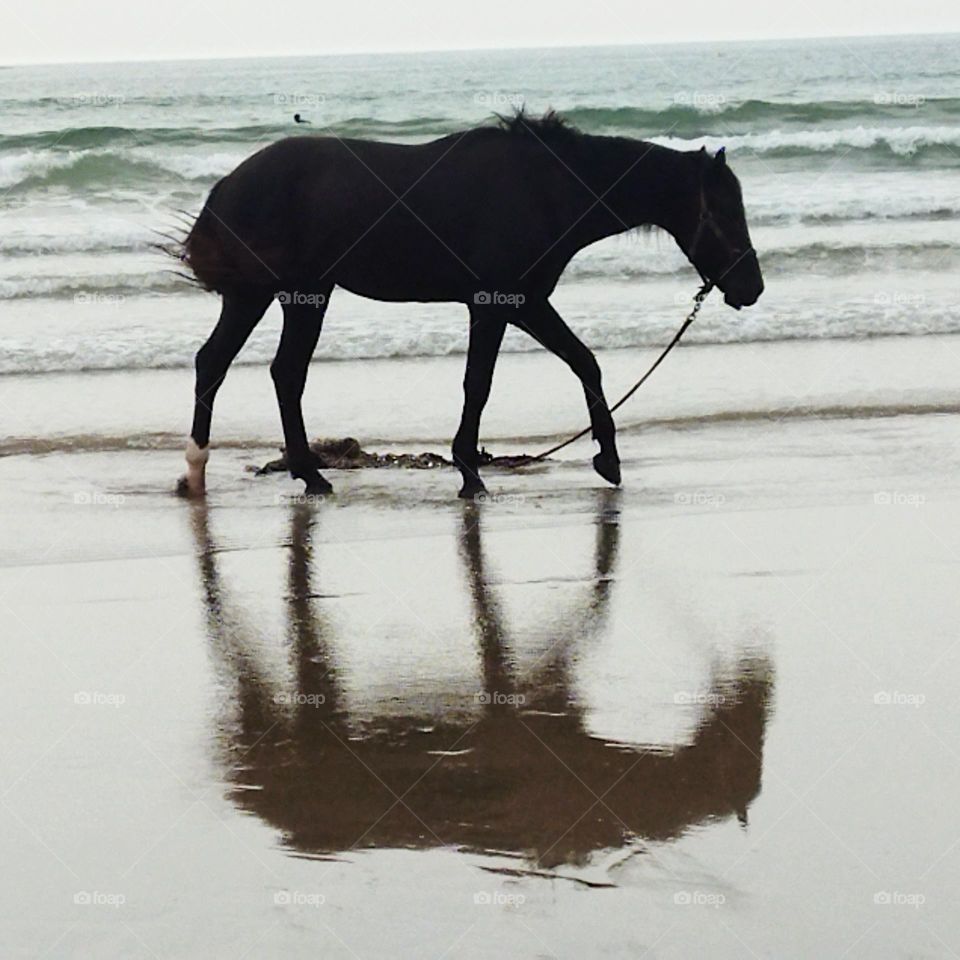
[705,221]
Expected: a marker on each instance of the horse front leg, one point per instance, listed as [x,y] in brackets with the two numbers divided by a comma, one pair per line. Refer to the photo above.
[546,326]
[487,326]
[303,313]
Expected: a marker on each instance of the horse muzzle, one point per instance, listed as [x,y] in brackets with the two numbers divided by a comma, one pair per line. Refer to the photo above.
[740,299]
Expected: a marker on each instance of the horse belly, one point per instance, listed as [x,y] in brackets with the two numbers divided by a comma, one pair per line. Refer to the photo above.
[401,269]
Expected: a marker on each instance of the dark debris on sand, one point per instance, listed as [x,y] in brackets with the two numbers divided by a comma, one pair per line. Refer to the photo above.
[347,454]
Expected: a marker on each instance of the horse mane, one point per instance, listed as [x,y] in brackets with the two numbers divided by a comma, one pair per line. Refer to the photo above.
[550,128]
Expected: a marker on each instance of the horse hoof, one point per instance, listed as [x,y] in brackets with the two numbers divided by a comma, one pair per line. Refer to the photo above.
[183,489]
[316,484]
[474,490]
[608,467]
[319,488]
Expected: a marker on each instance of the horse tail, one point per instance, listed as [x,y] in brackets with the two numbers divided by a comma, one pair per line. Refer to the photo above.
[202,250]
[228,247]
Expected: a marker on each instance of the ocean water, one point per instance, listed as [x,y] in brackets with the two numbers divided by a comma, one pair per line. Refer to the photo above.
[848,150]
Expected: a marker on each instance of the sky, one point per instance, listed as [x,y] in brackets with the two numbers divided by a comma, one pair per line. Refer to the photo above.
[48,31]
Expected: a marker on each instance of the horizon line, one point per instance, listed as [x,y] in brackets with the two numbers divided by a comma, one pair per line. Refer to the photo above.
[488,49]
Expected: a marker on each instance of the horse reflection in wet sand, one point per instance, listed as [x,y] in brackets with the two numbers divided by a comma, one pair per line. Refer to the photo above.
[522,779]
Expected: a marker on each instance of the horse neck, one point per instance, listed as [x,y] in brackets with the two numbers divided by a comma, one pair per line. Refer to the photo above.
[634,184]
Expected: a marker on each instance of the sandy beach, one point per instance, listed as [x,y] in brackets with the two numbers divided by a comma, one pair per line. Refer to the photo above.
[712,709]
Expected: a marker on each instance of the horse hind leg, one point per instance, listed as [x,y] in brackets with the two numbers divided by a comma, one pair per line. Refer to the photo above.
[240,313]
[487,326]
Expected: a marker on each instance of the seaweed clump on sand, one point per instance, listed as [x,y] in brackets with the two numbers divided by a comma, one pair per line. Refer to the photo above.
[347,454]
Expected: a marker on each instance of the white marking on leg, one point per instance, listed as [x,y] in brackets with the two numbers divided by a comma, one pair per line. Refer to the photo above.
[196,467]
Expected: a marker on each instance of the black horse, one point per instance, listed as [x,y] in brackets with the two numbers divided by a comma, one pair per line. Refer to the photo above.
[489,217]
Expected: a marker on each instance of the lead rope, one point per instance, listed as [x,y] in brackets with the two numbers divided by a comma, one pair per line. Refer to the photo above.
[698,299]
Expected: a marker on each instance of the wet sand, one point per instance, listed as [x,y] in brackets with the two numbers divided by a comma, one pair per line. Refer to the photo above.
[712,710]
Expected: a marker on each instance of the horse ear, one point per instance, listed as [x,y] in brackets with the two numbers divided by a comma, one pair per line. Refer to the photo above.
[721,157]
